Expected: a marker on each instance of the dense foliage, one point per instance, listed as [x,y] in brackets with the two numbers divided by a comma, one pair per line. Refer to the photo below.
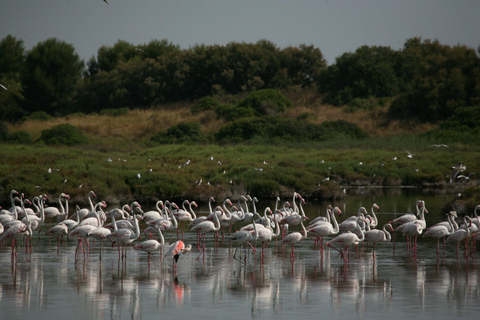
[63,134]
[425,81]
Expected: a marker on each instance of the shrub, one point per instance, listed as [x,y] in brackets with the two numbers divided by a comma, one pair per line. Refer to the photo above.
[63,134]
[204,104]
[20,137]
[266,102]
[183,132]
[40,115]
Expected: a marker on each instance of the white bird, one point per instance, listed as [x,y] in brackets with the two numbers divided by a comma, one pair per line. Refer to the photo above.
[376,235]
[409,155]
[151,245]
[1,85]
[441,231]
[294,238]
[344,240]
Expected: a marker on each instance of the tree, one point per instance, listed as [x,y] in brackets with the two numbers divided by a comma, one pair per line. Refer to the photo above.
[370,71]
[52,73]
[12,57]
[439,80]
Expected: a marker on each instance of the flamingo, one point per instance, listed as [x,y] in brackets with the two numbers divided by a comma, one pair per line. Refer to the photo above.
[409,217]
[151,245]
[174,250]
[459,235]
[350,224]
[202,218]
[376,235]
[119,213]
[70,223]
[13,192]
[441,231]
[266,234]
[154,214]
[295,218]
[94,221]
[205,227]
[88,212]
[53,212]
[295,237]
[59,230]
[321,218]
[37,220]
[124,237]
[243,236]
[325,229]
[374,221]
[346,239]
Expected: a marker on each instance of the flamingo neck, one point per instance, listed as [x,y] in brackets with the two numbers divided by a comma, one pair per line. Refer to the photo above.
[336,228]
[194,216]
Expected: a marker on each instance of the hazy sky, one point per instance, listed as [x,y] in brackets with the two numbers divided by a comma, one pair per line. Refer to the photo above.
[335,27]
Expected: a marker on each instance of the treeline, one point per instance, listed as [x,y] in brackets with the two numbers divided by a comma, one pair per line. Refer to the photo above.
[425,80]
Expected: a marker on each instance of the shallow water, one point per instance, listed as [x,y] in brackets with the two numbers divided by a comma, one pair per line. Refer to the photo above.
[396,284]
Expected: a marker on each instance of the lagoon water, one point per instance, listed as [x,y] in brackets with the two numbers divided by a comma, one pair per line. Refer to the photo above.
[396,284]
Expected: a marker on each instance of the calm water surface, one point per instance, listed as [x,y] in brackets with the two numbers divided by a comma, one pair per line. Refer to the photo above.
[396,284]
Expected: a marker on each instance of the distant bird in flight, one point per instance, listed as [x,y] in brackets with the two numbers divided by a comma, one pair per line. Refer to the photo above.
[409,155]
[106,1]
[456,169]
[1,85]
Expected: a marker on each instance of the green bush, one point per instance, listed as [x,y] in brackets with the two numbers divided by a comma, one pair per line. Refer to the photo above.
[183,132]
[20,137]
[233,112]
[40,115]
[266,102]
[63,134]
[204,104]
[270,127]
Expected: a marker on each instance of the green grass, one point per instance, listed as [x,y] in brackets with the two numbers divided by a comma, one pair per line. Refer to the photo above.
[290,167]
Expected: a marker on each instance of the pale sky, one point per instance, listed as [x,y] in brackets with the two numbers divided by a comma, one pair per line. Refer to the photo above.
[335,27]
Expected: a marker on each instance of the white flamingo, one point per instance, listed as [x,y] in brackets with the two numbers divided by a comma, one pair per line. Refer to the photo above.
[376,235]
[345,240]
[206,226]
[441,231]
[53,212]
[151,245]
[294,238]
[325,229]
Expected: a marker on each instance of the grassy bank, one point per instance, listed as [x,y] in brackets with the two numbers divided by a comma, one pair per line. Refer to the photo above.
[175,171]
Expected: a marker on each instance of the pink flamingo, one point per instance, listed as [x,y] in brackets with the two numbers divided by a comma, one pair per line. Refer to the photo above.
[174,250]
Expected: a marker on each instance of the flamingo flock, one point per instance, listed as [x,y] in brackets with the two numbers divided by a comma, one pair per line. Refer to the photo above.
[288,226]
